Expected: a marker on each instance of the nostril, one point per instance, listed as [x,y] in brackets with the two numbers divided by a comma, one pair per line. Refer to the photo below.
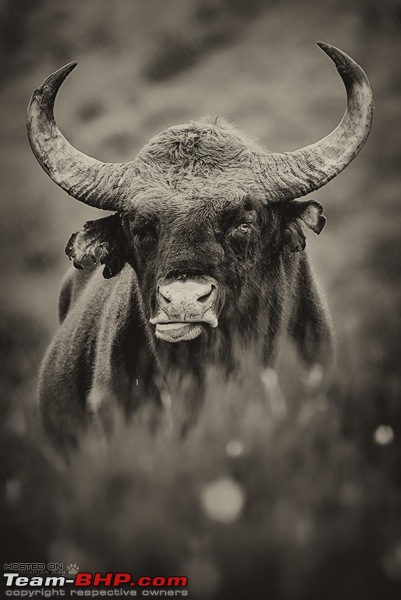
[164,298]
[202,299]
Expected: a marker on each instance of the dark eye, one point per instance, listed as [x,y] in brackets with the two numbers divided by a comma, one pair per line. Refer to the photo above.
[145,229]
[244,228]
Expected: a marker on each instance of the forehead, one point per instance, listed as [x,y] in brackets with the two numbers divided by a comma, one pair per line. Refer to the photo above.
[201,165]
[201,149]
[207,200]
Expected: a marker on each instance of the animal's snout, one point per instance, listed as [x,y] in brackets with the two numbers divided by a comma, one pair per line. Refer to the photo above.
[187,300]
[185,307]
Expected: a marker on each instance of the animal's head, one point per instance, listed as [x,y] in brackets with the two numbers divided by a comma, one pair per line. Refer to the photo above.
[202,214]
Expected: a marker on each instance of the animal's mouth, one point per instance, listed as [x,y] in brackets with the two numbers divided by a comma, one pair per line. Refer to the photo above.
[179,331]
[186,308]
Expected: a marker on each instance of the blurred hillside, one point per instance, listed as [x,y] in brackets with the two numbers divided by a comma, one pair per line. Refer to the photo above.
[143,66]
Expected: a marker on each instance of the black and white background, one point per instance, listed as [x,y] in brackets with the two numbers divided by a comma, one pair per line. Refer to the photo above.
[305,508]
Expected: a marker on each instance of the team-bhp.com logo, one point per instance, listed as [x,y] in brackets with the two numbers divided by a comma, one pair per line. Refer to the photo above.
[148,586]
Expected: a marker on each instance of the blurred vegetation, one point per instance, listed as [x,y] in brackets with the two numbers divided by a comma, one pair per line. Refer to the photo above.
[246,506]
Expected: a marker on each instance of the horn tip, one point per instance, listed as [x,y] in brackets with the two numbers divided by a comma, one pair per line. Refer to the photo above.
[334,53]
[71,65]
[349,70]
[57,78]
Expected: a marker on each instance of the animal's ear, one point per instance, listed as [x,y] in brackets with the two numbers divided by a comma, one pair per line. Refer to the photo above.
[100,241]
[298,216]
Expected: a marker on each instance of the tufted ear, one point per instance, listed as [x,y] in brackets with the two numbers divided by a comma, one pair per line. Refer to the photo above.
[101,242]
[297,217]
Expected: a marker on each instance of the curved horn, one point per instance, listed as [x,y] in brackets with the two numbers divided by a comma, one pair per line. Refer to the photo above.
[85,178]
[290,175]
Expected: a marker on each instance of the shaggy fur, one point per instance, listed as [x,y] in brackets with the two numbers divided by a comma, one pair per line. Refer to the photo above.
[186,197]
